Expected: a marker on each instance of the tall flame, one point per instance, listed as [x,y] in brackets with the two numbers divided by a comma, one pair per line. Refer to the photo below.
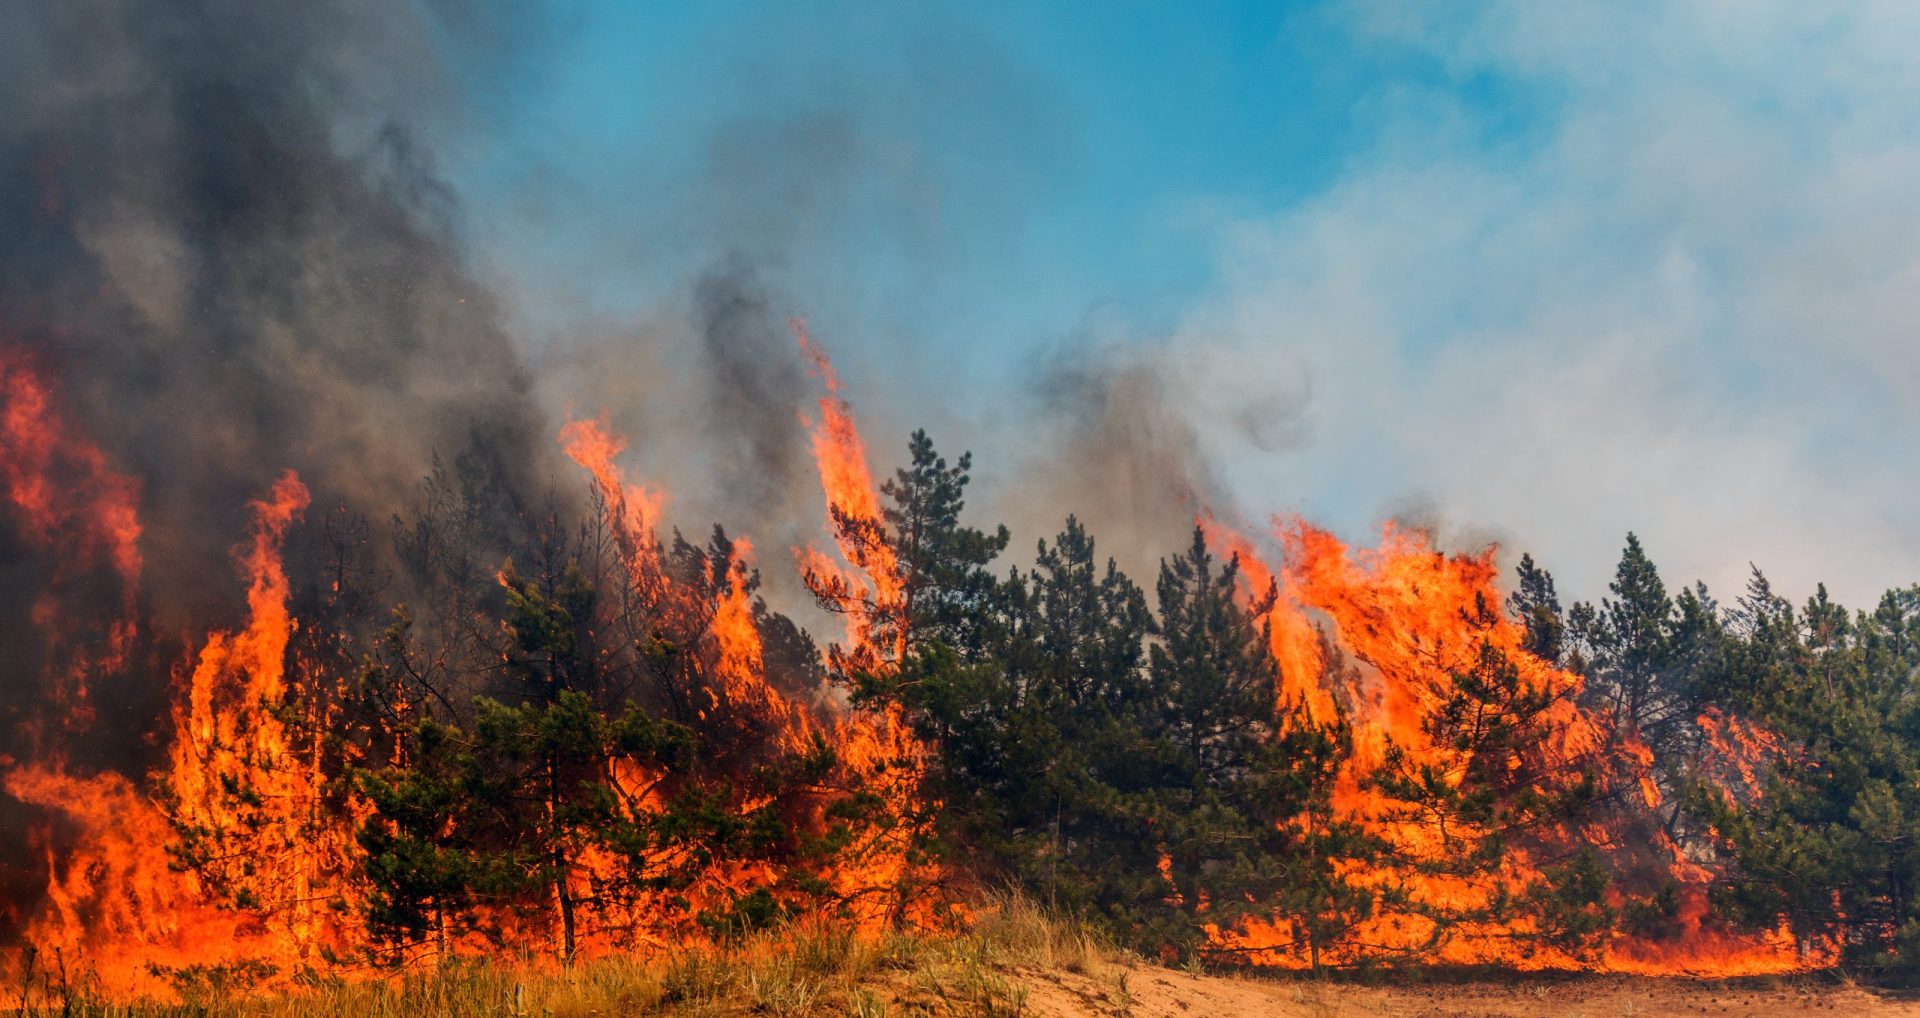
[245,786]
[869,747]
[72,503]
[870,591]
[1408,618]
[872,599]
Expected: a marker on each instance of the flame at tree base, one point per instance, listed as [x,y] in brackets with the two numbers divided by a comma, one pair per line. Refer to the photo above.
[240,852]
[114,913]
[1379,641]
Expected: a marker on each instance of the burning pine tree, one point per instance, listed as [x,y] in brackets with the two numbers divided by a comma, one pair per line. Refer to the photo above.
[534,727]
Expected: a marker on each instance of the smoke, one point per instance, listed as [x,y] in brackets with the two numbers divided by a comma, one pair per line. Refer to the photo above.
[755,389]
[225,243]
[225,228]
[1116,430]
[1683,305]
[802,205]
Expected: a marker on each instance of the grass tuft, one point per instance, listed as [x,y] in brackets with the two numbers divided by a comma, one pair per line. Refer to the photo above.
[803,968]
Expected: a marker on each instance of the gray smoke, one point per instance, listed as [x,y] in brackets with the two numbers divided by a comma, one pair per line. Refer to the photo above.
[1117,448]
[756,389]
[1116,431]
[222,222]
[223,236]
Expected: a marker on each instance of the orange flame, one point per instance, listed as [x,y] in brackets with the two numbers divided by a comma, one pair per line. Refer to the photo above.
[1744,751]
[878,745]
[73,503]
[733,642]
[59,481]
[247,785]
[113,909]
[871,601]
[632,514]
[244,785]
[1409,618]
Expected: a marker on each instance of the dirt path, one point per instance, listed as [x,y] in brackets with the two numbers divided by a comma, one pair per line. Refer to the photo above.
[1161,993]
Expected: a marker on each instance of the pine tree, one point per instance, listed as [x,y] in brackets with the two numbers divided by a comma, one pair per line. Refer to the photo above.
[429,866]
[1073,761]
[945,587]
[1024,736]
[501,809]
[1488,787]
[1831,845]
[1537,606]
[1632,645]
[1231,774]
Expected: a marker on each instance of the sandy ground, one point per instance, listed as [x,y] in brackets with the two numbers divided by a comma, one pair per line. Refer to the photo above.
[1160,993]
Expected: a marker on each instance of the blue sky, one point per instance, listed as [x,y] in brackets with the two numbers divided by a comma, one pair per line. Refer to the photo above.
[1537,273]
[1059,157]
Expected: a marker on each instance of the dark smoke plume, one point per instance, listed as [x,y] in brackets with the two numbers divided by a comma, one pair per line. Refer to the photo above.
[222,225]
[756,388]
[222,235]
[223,238]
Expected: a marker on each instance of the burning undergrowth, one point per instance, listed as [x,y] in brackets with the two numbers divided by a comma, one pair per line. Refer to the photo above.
[328,655]
[580,733]
[474,770]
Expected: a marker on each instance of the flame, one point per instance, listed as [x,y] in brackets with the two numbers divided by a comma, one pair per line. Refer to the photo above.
[1410,617]
[60,482]
[244,784]
[73,504]
[870,591]
[872,600]
[112,907]
[239,849]
[245,671]
[1291,637]
[870,748]
[1744,749]
[726,635]
[632,514]
[247,785]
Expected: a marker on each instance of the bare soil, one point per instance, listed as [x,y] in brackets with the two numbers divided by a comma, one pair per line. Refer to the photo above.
[1148,992]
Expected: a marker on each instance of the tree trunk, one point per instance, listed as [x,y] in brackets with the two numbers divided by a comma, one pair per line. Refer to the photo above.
[563,894]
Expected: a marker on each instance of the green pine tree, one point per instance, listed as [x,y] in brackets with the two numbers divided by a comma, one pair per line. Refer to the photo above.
[1231,775]
[1831,845]
[946,588]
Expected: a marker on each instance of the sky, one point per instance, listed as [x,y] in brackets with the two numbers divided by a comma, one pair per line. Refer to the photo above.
[1537,274]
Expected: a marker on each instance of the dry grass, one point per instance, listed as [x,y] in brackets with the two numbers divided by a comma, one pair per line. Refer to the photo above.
[801,969]
[1014,960]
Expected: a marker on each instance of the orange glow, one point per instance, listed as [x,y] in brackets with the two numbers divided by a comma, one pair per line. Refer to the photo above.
[872,600]
[1407,618]
[59,481]
[245,784]
[74,505]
